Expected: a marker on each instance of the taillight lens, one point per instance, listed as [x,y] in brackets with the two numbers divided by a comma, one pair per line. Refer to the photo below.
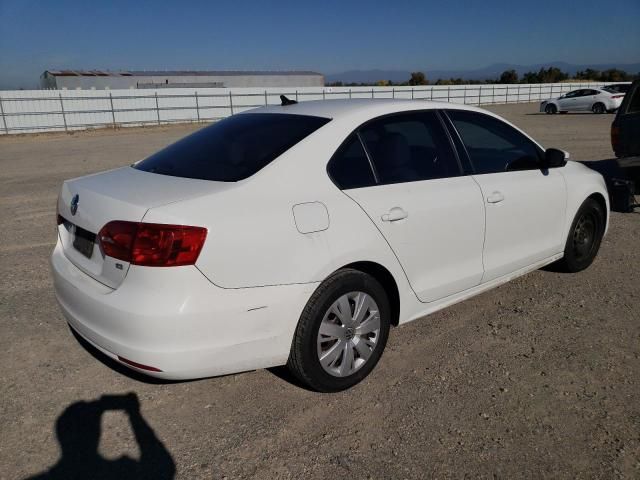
[116,239]
[158,245]
[617,96]
[615,138]
[152,244]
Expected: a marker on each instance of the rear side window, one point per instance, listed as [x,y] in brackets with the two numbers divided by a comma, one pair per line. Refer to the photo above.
[634,101]
[234,148]
[492,145]
[410,147]
[350,168]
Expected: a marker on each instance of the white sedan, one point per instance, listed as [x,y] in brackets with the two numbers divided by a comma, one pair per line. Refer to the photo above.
[596,100]
[299,234]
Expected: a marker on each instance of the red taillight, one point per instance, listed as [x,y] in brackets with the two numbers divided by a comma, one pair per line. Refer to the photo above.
[158,245]
[618,96]
[615,138]
[152,244]
[116,239]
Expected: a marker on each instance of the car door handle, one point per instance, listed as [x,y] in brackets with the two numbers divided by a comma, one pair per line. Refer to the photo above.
[395,214]
[495,197]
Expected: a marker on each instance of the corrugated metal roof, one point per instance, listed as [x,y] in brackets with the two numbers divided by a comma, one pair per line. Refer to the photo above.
[174,73]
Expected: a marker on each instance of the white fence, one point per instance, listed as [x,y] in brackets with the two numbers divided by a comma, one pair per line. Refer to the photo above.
[29,111]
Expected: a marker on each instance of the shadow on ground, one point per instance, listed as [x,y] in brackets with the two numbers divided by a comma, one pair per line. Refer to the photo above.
[78,429]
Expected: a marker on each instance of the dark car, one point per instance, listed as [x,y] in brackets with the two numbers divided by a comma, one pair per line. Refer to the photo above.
[625,129]
[625,140]
[618,88]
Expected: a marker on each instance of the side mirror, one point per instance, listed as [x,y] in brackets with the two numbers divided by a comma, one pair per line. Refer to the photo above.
[554,158]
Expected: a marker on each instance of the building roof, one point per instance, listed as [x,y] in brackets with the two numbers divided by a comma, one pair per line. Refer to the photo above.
[175,73]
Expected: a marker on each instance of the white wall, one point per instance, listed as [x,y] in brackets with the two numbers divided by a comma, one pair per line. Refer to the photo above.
[29,111]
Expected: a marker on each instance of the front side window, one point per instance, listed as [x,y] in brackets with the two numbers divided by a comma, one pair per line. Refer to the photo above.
[492,145]
[234,148]
[575,93]
[409,147]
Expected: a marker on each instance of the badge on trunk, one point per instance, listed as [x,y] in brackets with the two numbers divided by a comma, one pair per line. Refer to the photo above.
[74,204]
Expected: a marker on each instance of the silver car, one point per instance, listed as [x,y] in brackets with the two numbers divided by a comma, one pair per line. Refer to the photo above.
[596,100]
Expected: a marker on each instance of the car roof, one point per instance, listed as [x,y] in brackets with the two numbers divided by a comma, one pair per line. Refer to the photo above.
[361,107]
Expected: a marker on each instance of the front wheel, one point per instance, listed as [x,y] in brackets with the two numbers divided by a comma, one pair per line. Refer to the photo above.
[585,236]
[598,108]
[341,333]
[550,109]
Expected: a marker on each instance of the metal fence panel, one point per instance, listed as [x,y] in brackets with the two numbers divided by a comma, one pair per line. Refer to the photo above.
[31,111]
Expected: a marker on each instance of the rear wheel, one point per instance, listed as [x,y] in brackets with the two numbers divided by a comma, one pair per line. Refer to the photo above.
[550,109]
[584,237]
[342,332]
[599,108]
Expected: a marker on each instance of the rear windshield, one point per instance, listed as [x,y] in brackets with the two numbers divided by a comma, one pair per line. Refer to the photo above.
[234,148]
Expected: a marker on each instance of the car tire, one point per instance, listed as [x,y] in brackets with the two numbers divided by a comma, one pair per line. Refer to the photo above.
[585,236]
[598,108]
[333,349]
[550,109]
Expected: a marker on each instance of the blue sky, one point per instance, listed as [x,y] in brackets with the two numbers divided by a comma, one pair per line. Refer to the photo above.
[327,36]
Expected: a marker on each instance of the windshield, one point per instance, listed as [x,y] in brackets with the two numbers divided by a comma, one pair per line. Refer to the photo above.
[234,148]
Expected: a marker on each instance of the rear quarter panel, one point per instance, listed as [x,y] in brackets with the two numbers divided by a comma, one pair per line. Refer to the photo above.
[253,239]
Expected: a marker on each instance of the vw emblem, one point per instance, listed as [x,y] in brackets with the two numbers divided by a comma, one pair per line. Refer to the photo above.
[74,204]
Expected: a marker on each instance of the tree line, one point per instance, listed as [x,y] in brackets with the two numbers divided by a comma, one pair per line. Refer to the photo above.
[544,75]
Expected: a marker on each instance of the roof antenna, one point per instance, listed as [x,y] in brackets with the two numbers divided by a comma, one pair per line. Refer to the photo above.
[285,101]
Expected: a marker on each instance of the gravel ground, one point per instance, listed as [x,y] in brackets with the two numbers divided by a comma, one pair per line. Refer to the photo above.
[538,378]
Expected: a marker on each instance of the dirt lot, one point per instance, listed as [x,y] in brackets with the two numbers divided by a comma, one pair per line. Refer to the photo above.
[539,378]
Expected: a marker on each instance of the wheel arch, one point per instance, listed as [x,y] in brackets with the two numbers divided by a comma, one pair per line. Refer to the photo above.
[598,197]
[583,183]
[386,279]
[553,103]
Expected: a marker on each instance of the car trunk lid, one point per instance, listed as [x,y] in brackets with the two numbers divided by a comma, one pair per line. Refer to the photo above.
[88,203]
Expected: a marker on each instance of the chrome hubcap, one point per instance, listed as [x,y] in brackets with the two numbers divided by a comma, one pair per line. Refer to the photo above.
[348,334]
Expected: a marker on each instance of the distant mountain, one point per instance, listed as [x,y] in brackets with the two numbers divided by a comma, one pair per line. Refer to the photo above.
[490,72]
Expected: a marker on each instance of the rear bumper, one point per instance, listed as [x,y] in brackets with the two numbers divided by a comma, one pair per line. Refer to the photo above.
[175,320]
[614,105]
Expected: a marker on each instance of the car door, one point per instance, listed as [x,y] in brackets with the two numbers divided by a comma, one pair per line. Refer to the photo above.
[587,99]
[431,216]
[569,102]
[524,204]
